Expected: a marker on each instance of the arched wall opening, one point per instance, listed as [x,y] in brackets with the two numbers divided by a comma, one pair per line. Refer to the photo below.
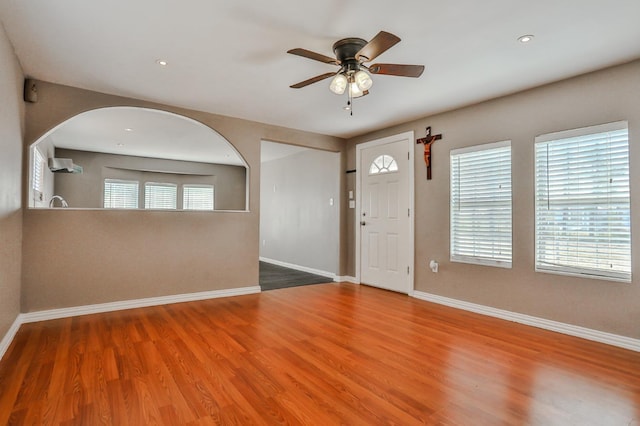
[134,157]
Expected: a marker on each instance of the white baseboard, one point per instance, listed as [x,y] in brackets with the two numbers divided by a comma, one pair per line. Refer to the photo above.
[116,306]
[8,337]
[131,304]
[347,279]
[572,330]
[301,268]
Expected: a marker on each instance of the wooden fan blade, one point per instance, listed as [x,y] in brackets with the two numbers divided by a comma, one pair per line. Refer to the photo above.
[313,55]
[312,80]
[397,69]
[378,45]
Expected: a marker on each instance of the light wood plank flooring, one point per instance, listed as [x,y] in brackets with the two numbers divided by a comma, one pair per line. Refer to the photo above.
[316,355]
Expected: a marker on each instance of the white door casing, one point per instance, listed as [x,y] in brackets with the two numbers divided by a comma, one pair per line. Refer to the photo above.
[384,213]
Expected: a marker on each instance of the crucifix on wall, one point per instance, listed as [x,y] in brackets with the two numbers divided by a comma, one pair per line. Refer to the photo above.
[428,141]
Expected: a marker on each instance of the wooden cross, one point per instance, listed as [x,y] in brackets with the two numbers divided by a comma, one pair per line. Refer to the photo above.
[428,141]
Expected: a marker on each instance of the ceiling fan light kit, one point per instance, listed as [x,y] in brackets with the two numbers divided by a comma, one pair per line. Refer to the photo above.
[363,80]
[351,55]
[358,83]
[339,84]
[355,91]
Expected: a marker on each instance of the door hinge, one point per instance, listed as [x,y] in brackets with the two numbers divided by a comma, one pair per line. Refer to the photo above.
[407,270]
[408,155]
[408,212]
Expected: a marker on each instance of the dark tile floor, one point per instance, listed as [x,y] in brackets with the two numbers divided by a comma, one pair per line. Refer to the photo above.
[275,276]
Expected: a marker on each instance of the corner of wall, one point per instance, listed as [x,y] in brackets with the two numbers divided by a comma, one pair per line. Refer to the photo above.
[12,127]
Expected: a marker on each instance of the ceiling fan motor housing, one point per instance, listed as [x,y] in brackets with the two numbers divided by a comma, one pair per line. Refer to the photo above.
[346,51]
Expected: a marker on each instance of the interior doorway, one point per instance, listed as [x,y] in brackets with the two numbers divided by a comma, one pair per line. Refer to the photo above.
[300,208]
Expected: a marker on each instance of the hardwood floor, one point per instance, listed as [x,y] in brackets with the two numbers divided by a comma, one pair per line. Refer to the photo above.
[317,355]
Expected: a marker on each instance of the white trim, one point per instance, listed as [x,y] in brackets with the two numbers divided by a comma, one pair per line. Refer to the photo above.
[560,327]
[582,131]
[300,268]
[347,279]
[409,137]
[481,147]
[131,304]
[8,337]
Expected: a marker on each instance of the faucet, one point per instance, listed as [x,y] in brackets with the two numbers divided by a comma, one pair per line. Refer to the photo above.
[63,202]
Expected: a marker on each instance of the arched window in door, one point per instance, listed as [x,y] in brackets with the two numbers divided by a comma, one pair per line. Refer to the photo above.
[383,164]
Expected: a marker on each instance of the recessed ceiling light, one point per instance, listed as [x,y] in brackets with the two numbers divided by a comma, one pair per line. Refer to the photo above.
[162,62]
[128,129]
[525,38]
[119,145]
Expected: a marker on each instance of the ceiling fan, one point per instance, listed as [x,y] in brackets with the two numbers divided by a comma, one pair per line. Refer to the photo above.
[352,54]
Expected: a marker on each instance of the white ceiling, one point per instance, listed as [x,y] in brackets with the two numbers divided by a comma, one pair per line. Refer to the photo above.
[229,57]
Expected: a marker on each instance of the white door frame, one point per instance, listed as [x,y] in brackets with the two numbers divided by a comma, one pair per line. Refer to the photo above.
[409,137]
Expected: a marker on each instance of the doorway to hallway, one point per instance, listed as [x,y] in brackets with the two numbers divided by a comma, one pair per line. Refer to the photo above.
[300,208]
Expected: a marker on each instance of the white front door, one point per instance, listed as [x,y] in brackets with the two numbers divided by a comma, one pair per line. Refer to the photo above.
[386,248]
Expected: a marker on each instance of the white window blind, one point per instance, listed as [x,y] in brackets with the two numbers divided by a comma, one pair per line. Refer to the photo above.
[582,202]
[120,194]
[481,204]
[37,173]
[197,197]
[160,195]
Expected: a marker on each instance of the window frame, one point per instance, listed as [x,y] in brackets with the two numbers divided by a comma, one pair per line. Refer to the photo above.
[574,270]
[392,167]
[37,175]
[160,185]
[492,258]
[198,185]
[121,181]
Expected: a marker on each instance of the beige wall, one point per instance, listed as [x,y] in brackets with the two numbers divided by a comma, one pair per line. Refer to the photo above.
[75,257]
[85,190]
[11,131]
[604,96]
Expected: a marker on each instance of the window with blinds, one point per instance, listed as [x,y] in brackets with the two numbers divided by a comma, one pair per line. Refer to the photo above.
[481,204]
[160,195]
[583,217]
[197,197]
[120,194]
[37,173]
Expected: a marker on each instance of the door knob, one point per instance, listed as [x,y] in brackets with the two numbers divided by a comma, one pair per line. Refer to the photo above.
[363,223]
